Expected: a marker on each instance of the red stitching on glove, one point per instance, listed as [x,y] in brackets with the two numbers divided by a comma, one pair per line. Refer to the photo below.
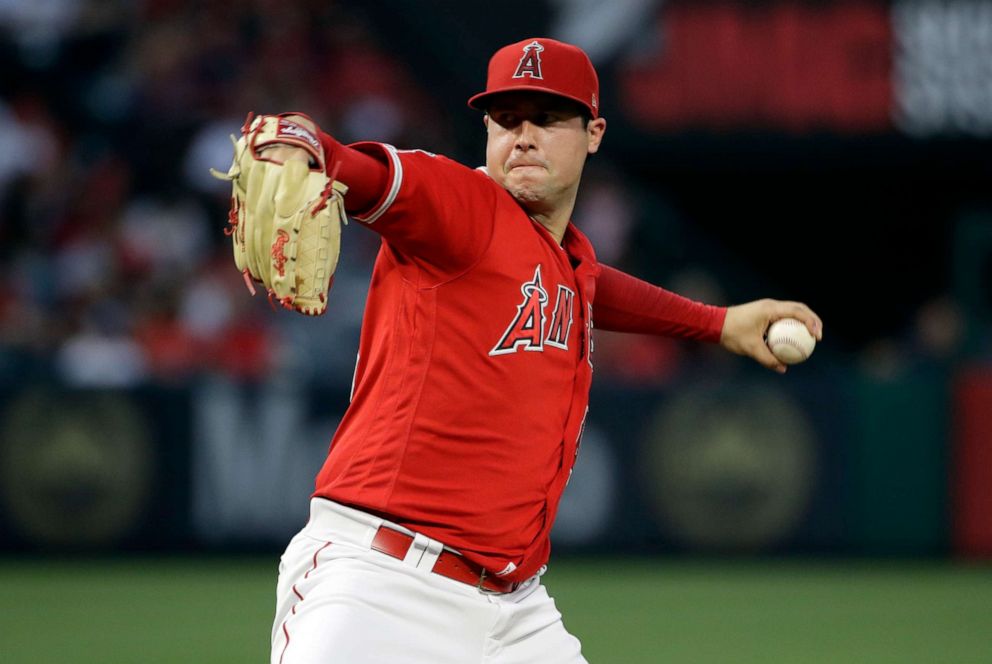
[247,125]
[328,190]
[232,218]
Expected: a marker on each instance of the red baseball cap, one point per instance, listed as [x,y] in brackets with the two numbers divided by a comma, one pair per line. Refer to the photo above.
[542,65]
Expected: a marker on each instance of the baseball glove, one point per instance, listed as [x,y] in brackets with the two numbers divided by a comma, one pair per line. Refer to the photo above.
[285,219]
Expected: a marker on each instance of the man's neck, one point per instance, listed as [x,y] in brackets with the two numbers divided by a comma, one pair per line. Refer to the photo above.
[554,225]
[554,218]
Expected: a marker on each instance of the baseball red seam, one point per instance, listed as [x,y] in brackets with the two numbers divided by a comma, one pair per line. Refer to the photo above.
[292,612]
[792,341]
[789,341]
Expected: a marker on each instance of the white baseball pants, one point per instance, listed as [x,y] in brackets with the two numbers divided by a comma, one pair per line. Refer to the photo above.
[339,601]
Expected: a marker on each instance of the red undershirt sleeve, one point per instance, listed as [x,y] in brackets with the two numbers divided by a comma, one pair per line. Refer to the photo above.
[627,304]
[365,175]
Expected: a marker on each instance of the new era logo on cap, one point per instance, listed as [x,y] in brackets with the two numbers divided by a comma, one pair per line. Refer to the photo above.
[542,65]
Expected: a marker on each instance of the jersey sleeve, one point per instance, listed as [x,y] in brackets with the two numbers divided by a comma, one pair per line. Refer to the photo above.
[627,304]
[432,210]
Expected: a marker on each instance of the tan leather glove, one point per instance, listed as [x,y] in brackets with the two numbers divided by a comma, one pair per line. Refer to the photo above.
[286,213]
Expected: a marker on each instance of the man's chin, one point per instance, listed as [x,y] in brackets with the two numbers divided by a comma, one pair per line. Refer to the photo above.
[525,195]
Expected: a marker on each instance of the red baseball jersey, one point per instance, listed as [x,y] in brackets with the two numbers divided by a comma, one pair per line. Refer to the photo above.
[472,383]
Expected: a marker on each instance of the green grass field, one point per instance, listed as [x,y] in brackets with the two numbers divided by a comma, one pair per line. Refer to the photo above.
[213,611]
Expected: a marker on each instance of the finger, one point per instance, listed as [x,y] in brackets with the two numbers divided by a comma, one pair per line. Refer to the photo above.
[764,356]
[254,186]
[262,237]
[254,204]
[813,324]
[280,153]
[292,185]
[803,313]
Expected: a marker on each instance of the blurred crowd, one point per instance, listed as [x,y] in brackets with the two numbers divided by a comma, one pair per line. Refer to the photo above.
[114,264]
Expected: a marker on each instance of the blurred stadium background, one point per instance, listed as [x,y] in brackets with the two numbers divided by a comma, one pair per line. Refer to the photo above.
[159,429]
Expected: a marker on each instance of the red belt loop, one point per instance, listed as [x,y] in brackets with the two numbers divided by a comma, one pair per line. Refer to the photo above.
[482,578]
[395,544]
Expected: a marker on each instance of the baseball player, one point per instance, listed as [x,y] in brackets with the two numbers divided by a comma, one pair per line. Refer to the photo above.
[430,521]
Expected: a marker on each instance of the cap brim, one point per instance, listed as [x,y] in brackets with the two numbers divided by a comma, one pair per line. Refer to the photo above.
[478,101]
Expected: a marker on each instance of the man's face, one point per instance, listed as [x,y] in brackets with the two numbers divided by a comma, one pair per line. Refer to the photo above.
[537,145]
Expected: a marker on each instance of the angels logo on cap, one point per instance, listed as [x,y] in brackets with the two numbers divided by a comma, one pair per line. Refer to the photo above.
[542,65]
[530,62]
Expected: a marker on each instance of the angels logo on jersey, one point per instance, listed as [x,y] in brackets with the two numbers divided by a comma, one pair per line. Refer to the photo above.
[526,330]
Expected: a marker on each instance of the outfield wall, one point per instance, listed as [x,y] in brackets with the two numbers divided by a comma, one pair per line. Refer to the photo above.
[819,461]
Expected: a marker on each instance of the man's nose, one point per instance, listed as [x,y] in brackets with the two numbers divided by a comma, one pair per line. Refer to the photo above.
[526,134]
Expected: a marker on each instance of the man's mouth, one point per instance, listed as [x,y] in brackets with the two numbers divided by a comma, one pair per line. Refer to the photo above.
[512,166]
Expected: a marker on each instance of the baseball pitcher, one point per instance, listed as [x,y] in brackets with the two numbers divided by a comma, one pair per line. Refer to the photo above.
[430,520]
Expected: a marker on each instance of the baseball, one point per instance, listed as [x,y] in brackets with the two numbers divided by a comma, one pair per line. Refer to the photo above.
[790,341]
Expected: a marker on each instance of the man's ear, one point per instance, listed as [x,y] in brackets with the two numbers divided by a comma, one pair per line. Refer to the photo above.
[595,131]
[485,120]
